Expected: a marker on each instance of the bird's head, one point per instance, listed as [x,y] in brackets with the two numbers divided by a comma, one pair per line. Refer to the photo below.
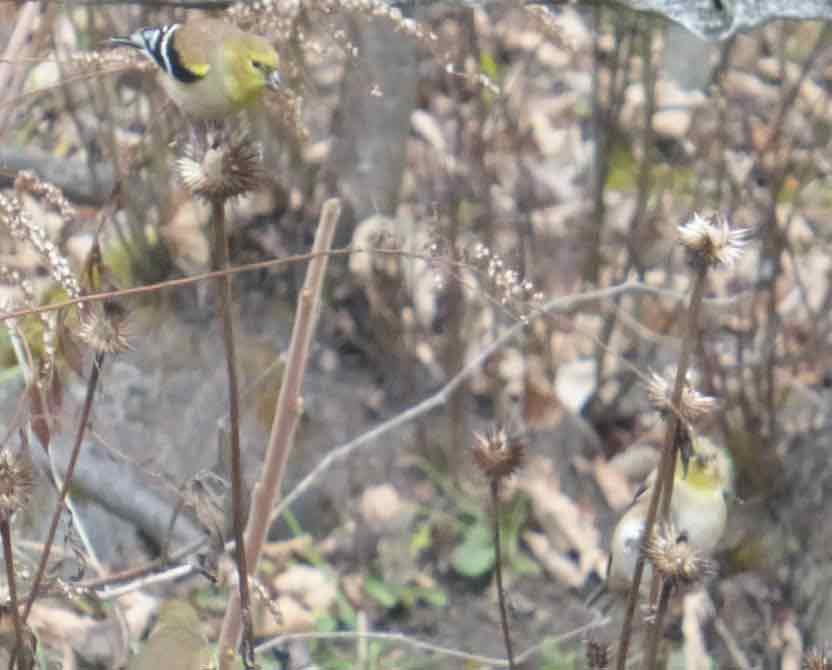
[710,467]
[254,62]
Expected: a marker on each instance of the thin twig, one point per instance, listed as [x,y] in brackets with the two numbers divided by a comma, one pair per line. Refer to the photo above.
[220,253]
[6,532]
[498,568]
[92,384]
[169,575]
[134,579]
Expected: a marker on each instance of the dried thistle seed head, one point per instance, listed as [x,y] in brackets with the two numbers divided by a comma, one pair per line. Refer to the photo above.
[219,164]
[498,455]
[818,658]
[674,558]
[16,482]
[711,241]
[102,332]
[693,404]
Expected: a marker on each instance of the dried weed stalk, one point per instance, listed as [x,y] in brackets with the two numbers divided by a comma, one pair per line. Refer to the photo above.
[499,456]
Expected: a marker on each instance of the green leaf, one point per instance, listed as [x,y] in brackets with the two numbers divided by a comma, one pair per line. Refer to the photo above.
[434,597]
[554,657]
[422,539]
[386,595]
[475,557]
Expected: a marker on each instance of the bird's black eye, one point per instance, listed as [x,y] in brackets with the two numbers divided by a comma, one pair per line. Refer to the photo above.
[260,65]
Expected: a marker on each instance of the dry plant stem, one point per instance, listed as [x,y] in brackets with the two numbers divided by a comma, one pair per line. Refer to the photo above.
[498,566]
[92,384]
[224,291]
[10,76]
[287,413]
[6,532]
[668,463]
[664,485]
[655,634]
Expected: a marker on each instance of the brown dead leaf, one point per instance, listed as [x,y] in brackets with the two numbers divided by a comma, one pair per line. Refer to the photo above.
[282,551]
[542,407]
[310,586]
[614,484]
[381,507]
[554,562]
[568,527]
[285,615]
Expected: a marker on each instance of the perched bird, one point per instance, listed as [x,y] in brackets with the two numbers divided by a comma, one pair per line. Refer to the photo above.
[698,508]
[176,641]
[212,69]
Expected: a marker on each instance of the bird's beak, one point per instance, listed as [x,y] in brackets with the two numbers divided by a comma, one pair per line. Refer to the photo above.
[274,82]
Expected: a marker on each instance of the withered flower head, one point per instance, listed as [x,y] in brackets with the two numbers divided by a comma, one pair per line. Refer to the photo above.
[498,455]
[16,482]
[712,241]
[674,558]
[104,332]
[818,658]
[221,165]
[693,404]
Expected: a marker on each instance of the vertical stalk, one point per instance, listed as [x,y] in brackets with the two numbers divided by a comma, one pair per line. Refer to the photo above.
[220,262]
[6,532]
[495,497]
[655,634]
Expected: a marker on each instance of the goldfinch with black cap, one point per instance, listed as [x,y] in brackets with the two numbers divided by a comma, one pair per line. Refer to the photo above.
[212,69]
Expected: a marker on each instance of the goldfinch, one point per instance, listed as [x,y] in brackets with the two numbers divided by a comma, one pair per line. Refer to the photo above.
[699,508]
[176,641]
[212,69]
